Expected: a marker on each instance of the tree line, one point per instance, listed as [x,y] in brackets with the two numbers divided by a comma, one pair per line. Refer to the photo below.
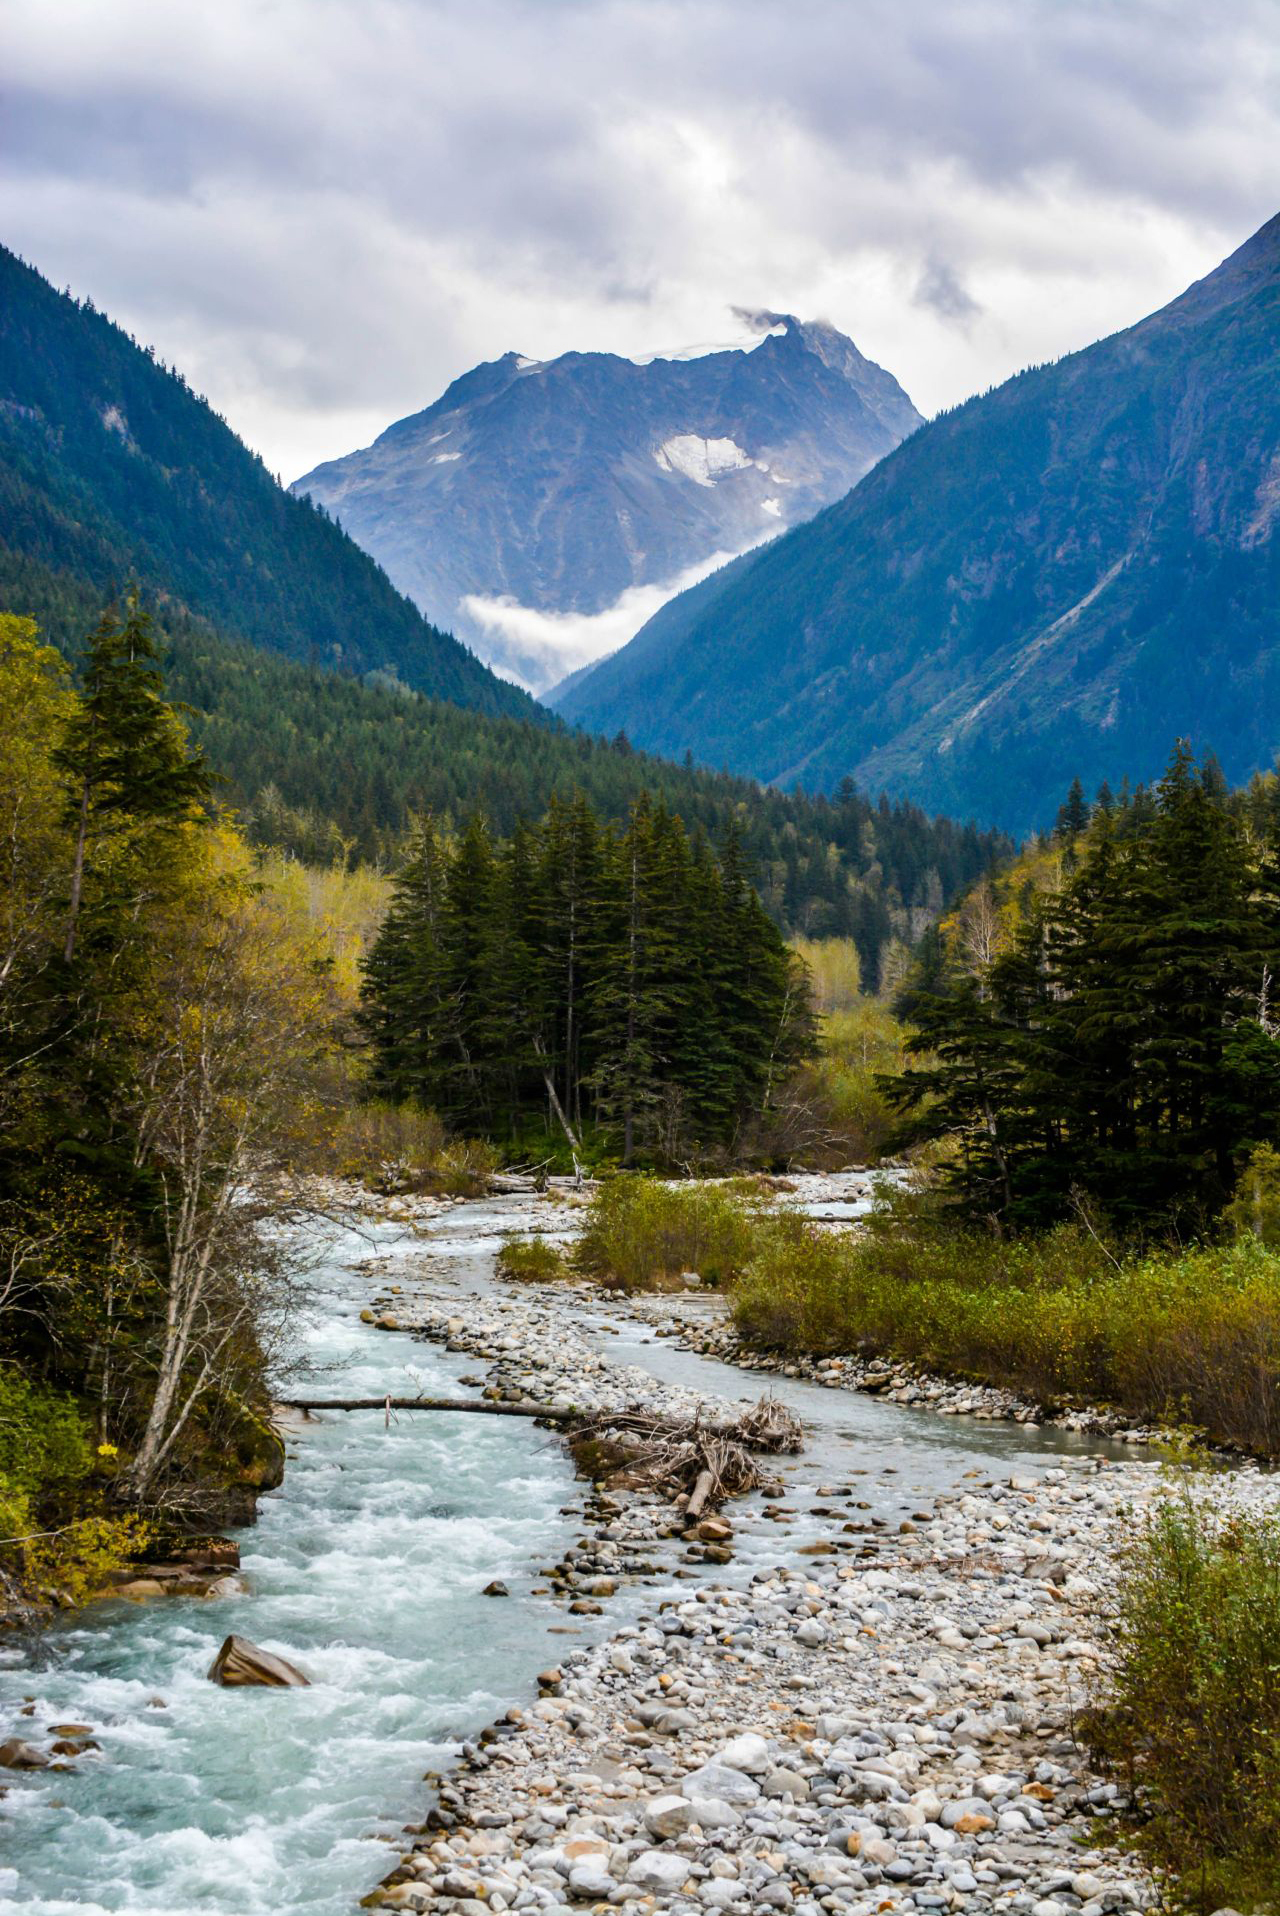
[1120,1047]
[581,973]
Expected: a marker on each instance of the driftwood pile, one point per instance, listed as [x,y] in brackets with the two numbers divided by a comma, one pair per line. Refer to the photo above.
[681,1457]
[678,1457]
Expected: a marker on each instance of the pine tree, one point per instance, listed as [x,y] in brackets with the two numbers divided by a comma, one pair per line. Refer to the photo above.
[126,758]
[407,1009]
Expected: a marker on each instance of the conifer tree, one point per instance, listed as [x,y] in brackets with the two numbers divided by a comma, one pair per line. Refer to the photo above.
[125,756]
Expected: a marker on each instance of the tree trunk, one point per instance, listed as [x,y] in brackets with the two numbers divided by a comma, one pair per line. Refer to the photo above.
[77,874]
[554,1412]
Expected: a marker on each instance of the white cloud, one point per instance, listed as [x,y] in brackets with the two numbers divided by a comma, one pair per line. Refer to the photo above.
[550,645]
[323,210]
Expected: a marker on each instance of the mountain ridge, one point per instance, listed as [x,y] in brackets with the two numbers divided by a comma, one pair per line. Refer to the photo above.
[111,467]
[1057,576]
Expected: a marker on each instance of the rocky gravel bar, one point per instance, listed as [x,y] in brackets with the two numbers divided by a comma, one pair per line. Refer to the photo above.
[831,1738]
[872,1724]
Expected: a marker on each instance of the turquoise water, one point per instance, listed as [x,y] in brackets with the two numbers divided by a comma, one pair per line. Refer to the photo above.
[366,1568]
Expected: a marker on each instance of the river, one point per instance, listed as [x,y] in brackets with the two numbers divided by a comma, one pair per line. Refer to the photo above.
[367,1568]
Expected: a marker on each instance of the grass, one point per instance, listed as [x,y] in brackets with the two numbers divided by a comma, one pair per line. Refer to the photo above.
[642,1233]
[531,1260]
[1191,1708]
[1190,1338]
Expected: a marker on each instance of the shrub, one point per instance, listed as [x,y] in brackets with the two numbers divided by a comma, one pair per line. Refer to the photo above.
[76,1563]
[1191,1338]
[44,1447]
[46,1543]
[531,1260]
[400,1147]
[642,1233]
[1191,1709]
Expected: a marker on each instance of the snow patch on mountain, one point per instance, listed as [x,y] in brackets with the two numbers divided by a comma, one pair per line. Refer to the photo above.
[702,460]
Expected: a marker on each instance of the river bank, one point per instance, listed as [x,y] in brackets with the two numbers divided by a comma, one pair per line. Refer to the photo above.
[859,1714]
[907,1617]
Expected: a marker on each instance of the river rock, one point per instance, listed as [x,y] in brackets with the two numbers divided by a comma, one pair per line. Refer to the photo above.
[241,1664]
[17,1755]
[749,1753]
[658,1871]
[717,1780]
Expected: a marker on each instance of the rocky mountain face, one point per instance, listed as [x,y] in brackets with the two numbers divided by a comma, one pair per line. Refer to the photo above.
[1060,577]
[541,510]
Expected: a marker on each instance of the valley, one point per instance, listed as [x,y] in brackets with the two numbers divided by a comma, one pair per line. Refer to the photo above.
[639,1067]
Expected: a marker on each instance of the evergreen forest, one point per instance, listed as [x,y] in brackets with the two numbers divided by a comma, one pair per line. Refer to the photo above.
[1107,1037]
[583,974]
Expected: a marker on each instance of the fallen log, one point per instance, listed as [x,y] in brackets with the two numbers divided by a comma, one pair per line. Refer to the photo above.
[702,1489]
[488,1408]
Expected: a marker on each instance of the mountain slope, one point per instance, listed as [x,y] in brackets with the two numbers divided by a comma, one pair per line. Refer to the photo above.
[327,767]
[1057,578]
[110,466]
[562,486]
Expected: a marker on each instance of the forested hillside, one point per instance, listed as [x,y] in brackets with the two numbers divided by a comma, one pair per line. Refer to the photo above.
[328,767]
[111,468]
[318,761]
[1054,579]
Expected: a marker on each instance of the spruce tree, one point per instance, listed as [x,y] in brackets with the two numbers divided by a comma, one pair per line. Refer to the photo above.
[126,759]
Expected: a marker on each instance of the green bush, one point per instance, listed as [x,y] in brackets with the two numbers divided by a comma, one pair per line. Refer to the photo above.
[1191,1338]
[531,1260]
[49,1542]
[44,1446]
[1191,1710]
[642,1233]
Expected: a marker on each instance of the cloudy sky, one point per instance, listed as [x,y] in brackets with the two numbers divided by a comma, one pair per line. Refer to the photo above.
[323,210]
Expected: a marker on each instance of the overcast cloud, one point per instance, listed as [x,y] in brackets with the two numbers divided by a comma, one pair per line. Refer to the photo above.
[324,210]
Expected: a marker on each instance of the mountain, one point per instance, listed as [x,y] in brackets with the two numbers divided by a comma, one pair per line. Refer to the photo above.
[543,508]
[1058,578]
[111,467]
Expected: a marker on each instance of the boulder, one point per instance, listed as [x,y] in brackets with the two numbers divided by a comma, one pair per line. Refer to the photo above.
[17,1755]
[748,1752]
[229,1586]
[240,1663]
